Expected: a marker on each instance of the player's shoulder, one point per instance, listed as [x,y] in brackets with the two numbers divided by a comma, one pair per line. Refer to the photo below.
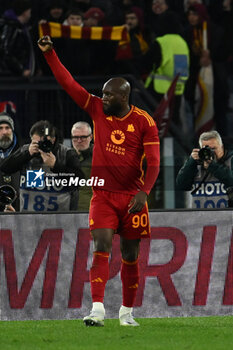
[143,116]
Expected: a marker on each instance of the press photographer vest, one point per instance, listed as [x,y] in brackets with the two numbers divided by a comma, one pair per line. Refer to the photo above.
[212,193]
[175,60]
[49,197]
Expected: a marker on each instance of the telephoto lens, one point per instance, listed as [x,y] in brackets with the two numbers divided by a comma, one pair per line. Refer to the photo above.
[7,196]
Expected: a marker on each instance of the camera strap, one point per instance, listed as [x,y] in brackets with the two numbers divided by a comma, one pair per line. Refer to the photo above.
[202,181]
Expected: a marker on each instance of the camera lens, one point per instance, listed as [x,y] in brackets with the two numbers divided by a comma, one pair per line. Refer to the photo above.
[205,154]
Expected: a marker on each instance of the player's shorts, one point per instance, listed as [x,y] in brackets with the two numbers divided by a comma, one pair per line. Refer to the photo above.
[110,210]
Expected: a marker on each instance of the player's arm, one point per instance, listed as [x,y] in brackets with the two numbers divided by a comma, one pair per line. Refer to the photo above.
[80,95]
[152,153]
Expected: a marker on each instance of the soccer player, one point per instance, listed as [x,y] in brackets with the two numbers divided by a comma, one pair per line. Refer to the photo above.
[123,136]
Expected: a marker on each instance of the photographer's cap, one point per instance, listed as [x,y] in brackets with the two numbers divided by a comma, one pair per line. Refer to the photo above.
[5,118]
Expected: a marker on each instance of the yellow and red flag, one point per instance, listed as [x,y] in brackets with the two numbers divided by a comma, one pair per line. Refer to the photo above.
[57,30]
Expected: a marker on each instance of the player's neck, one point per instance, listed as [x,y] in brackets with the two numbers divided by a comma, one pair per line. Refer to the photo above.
[123,112]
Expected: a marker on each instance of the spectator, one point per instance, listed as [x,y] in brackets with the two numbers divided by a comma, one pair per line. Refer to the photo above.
[188,3]
[56,162]
[215,56]
[94,17]
[55,11]
[74,53]
[8,145]
[132,48]
[209,175]
[158,7]
[118,9]
[168,55]
[73,18]
[98,63]
[81,135]
[16,49]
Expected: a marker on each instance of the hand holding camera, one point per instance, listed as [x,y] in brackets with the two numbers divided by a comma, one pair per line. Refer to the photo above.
[33,148]
[194,154]
[43,146]
[204,156]
[7,197]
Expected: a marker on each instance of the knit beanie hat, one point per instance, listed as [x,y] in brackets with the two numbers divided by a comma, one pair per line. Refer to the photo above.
[5,118]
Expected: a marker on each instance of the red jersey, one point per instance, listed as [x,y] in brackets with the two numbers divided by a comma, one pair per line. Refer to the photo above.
[120,144]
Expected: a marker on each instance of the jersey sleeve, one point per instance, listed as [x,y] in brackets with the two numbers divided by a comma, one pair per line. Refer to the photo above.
[78,93]
[151,146]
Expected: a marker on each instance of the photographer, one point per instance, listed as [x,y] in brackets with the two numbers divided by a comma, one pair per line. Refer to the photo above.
[208,173]
[8,145]
[42,162]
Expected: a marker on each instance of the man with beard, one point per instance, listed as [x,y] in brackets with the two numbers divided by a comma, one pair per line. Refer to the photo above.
[134,46]
[123,135]
[48,159]
[8,144]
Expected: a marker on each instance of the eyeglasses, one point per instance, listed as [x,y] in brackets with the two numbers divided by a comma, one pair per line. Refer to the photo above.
[81,138]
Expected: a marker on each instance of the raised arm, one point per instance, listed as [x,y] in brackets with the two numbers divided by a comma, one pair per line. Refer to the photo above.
[80,95]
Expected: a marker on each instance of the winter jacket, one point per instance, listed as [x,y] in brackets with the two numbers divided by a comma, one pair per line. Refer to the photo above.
[48,194]
[208,185]
[10,179]
[16,49]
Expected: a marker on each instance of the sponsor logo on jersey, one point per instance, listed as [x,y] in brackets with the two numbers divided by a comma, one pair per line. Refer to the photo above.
[117,137]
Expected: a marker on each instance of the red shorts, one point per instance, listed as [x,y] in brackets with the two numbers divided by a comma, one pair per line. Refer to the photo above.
[110,210]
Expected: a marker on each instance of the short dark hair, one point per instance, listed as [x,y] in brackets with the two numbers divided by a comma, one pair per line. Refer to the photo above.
[75,12]
[39,129]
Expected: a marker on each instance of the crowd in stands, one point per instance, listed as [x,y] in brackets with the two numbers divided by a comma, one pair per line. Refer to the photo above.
[19,21]
[154,29]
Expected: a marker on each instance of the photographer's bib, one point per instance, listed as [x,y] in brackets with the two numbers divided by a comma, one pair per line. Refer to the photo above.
[208,191]
[47,196]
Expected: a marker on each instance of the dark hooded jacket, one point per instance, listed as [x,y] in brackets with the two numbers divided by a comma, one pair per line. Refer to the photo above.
[16,49]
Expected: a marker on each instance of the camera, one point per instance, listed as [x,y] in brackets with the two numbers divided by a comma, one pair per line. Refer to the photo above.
[7,196]
[45,145]
[206,153]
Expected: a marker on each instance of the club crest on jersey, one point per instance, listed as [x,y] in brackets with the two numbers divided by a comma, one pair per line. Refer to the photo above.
[35,178]
[117,137]
[130,128]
